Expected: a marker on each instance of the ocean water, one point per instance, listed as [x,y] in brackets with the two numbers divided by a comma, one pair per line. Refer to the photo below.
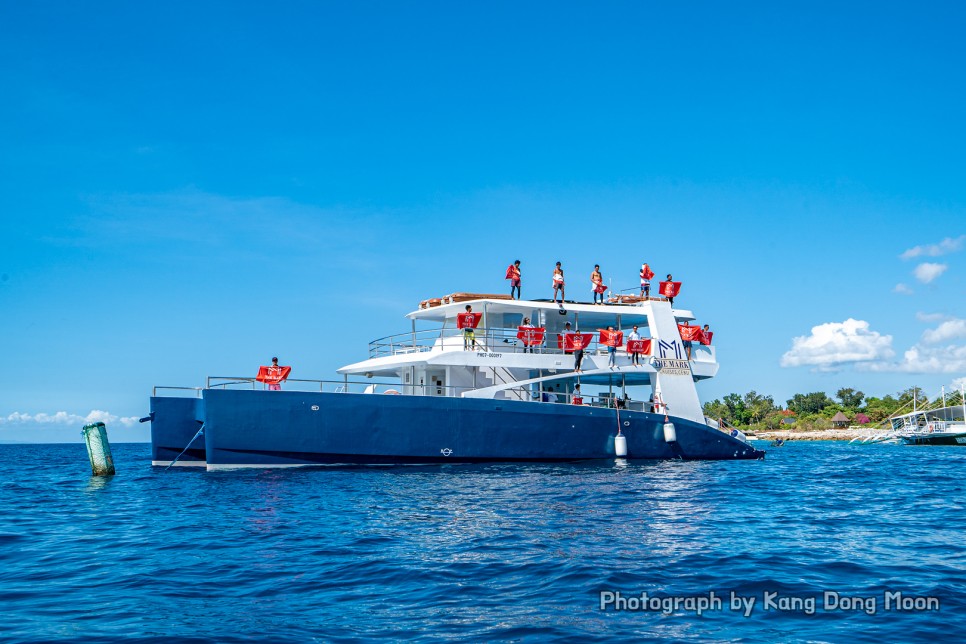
[819,542]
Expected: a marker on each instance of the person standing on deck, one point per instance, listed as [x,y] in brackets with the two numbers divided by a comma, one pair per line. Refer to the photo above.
[635,355]
[558,283]
[687,342]
[611,348]
[646,275]
[275,372]
[578,352]
[469,335]
[598,282]
[671,298]
[526,346]
[513,274]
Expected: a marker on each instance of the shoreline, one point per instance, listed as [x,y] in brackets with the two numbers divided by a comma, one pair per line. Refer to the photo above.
[819,435]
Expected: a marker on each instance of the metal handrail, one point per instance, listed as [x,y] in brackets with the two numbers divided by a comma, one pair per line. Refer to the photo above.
[487,338]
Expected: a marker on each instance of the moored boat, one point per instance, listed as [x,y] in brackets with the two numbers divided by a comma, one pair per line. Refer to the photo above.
[940,425]
[485,379]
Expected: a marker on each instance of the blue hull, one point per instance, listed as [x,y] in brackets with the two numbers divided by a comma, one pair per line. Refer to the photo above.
[285,428]
[175,421]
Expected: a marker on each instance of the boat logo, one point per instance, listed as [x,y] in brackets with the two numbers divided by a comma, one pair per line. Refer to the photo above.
[446,451]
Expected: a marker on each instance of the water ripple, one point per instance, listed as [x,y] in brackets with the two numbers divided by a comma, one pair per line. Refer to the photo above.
[488,552]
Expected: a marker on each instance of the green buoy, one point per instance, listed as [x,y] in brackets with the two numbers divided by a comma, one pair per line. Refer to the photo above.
[98,449]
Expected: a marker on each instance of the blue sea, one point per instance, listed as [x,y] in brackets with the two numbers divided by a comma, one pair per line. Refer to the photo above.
[818,542]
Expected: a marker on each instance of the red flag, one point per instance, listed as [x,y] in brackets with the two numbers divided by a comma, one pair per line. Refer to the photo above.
[706,337]
[512,272]
[577,400]
[468,320]
[272,375]
[611,338]
[670,289]
[690,333]
[639,346]
[531,335]
[646,272]
[574,341]
[599,287]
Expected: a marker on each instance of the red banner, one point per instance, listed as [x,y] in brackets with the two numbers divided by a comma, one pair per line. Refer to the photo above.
[578,400]
[690,333]
[531,335]
[646,272]
[670,289]
[512,272]
[611,338]
[468,320]
[574,341]
[706,337]
[272,375]
[639,346]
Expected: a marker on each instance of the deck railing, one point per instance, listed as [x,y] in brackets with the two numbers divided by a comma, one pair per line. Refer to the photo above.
[384,388]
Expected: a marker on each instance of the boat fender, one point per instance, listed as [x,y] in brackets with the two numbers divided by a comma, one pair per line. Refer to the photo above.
[739,435]
[670,434]
[620,445]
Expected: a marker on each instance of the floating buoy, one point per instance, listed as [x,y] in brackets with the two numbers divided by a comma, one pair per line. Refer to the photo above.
[670,434]
[620,445]
[98,449]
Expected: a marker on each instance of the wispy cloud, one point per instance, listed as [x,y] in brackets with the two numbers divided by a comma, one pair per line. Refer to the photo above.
[902,289]
[930,317]
[924,359]
[948,330]
[64,418]
[948,245]
[831,345]
[927,272]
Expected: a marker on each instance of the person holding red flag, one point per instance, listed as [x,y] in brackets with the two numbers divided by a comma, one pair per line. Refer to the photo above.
[633,337]
[688,334]
[530,335]
[646,275]
[670,289]
[706,334]
[598,281]
[273,376]
[576,340]
[558,283]
[468,321]
[611,339]
[513,274]
[577,399]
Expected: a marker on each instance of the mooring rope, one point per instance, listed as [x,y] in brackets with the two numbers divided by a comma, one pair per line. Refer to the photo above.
[193,438]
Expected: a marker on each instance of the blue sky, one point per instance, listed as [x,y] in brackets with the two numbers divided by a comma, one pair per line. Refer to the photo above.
[187,189]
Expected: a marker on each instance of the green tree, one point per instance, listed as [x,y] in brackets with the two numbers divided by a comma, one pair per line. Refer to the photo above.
[758,406]
[850,398]
[905,396]
[738,413]
[878,409]
[812,403]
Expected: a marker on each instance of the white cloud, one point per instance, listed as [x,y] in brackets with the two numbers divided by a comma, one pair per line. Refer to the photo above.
[924,359]
[63,418]
[927,271]
[959,382]
[930,317]
[948,245]
[902,289]
[834,343]
[948,330]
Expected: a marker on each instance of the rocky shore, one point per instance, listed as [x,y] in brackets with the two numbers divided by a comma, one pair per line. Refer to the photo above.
[818,435]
